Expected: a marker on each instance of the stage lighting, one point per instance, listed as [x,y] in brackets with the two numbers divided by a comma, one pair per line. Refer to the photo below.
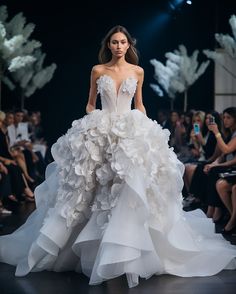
[189,2]
[175,4]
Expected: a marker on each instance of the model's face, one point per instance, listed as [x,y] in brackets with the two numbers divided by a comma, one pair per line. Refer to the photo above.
[118,44]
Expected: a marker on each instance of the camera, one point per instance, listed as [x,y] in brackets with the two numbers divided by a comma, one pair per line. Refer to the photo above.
[211,120]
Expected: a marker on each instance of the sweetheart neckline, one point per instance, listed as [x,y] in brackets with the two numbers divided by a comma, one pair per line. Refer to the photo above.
[117,90]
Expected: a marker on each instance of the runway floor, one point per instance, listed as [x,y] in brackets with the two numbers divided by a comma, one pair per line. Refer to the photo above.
[70,282]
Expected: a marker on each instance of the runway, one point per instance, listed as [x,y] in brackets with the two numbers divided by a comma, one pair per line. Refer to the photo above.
[70,282]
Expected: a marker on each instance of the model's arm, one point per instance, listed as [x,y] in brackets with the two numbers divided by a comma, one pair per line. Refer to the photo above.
[91,105]
[138,99]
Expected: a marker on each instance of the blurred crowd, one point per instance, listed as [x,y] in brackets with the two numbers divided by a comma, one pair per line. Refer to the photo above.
[24,155]
[206,144]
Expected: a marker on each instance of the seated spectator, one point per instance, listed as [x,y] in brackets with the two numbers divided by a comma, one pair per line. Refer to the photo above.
[10,161]
[36,134]
[191,150]
[17,151]
[187,122]
[163,119]
[223,163]
[207,143]
[5,189]
[226,188]
[177,132]
[19,136]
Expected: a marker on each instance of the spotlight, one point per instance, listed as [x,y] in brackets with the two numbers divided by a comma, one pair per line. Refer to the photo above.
[175,4]
[189,2]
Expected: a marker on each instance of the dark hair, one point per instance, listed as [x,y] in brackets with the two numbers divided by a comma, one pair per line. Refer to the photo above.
[105,55]
[18,110]
[218,121]
[175,111]
[9,111]
[217,117]
[231,111]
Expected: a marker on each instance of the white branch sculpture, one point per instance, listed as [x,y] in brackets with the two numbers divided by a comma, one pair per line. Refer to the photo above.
[179,73]
[228,44]
[22,56]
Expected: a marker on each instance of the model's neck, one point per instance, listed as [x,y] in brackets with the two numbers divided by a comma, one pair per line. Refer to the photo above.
[118,62]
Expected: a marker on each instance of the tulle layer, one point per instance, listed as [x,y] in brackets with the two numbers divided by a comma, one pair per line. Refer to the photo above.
[111,205]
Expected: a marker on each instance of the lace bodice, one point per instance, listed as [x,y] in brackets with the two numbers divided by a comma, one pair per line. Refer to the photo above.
[112,100]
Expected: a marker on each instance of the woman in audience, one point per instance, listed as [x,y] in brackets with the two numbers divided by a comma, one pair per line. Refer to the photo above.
[190,149]
[188,124]
[36,135]
[226,189]
[177,131]
[209,152]
[223,163]
[19,184]
[17,151]
[5,189]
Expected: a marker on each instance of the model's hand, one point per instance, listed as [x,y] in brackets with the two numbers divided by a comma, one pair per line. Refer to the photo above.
[89,108]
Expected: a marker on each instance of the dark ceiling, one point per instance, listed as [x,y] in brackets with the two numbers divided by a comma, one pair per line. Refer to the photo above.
[71,34]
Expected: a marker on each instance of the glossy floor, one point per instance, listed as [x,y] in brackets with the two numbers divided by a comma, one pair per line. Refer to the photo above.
[71,282]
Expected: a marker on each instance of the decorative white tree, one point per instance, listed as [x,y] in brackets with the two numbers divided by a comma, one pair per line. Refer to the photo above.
[26,68]
[33,76]
[228,44]
[179,73]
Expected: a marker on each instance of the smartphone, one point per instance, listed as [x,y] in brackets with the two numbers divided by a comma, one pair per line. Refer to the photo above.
[212,120]
[196,128]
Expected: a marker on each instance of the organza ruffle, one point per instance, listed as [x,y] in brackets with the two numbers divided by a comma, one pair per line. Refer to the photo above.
[111,204]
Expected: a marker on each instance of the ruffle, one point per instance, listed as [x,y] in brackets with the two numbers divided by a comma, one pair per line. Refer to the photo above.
[102,150]
[111,204]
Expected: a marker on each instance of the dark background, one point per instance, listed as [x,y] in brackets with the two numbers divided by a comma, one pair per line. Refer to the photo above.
[71,35]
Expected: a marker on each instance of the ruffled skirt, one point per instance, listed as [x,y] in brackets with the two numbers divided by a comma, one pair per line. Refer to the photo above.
[111,204]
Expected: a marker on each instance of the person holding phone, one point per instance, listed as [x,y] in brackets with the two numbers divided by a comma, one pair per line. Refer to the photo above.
[194,174]
[226,161]
[196,136]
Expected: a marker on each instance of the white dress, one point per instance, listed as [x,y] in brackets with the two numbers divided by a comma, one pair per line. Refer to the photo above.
[111,203]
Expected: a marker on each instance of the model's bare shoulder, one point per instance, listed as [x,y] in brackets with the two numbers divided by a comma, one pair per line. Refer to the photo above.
[139,70]
[97,70]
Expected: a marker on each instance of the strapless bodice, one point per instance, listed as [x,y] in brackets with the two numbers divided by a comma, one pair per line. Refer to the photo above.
[113,100]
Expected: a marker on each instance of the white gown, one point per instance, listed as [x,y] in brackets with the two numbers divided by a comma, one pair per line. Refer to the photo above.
[111,203]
